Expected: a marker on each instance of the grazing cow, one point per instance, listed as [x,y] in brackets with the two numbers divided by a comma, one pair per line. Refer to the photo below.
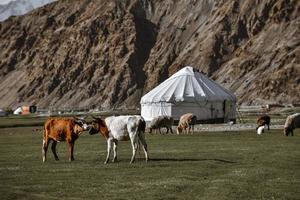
[186,122]
[62,129]
[292,122]
[121,128]
[160,122]
[263,120]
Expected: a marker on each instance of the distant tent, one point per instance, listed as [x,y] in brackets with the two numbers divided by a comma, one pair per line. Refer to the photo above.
[18,111]
[22,110]
[189,91]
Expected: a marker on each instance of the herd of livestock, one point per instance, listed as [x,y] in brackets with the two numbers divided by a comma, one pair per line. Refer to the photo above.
[130,127]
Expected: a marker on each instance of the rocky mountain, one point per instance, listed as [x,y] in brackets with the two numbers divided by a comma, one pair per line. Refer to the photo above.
[20,7]
[106,54]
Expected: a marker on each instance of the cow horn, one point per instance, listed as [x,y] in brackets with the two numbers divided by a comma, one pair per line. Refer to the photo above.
[95,117]
[76,118]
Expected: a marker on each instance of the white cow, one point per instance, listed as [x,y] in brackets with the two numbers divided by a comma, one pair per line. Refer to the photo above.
[121,128]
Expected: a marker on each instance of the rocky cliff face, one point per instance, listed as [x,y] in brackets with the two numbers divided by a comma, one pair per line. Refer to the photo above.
[109,53]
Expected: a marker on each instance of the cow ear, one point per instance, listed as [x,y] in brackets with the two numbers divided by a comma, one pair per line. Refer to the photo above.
[79,122]
[76,118]
[79,118]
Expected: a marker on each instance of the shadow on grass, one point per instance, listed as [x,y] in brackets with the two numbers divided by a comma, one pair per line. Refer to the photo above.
[190,160]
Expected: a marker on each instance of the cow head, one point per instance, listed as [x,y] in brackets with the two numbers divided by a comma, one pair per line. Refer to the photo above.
[94,126]
[81,123]
[98,125]
[286,131]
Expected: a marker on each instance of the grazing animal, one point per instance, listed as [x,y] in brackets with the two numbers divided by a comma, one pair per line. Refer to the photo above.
[292,122]
[121,128]
[62,129]
[260,130]
[186,122]
[160,122]
[263,120]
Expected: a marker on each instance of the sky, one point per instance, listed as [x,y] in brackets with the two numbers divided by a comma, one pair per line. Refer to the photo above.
[5,1]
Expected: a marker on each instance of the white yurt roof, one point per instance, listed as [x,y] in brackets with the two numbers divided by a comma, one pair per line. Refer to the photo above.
[187,85]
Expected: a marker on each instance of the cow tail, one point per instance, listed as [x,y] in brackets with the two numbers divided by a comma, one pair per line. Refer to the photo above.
[45,131]
[141,130]
[142,125]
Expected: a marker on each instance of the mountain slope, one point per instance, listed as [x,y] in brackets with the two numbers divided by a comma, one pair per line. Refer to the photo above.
[108,53]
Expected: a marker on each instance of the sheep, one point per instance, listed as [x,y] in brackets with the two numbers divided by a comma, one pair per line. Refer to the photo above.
[186,122]
[160,122]
[292,122]
[263,120]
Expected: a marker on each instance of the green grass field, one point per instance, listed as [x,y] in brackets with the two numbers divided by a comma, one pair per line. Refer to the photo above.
[215,165]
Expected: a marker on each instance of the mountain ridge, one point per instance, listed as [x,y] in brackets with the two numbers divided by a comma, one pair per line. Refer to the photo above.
[108,54]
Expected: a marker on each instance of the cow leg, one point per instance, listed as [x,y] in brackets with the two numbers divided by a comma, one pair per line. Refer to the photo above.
[71,150]
[143,141]
[171,129]
[292,132]
[45,148]
[53,148]
[109,145]
[115,151]
[134,149]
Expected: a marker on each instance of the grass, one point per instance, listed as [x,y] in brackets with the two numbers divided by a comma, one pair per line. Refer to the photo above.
[215,165]
[21,121]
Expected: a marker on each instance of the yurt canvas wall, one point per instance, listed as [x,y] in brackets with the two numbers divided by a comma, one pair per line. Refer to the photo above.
[189,91]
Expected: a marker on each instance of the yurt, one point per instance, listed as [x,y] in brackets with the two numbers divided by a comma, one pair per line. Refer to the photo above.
[189,91]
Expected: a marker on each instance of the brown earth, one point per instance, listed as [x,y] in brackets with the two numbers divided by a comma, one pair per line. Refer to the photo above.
[107,54]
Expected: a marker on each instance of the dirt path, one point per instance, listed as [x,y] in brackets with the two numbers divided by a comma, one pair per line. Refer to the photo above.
[228,127]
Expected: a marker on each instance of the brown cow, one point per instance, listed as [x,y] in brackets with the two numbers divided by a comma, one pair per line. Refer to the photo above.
[263,120]
[62,129]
